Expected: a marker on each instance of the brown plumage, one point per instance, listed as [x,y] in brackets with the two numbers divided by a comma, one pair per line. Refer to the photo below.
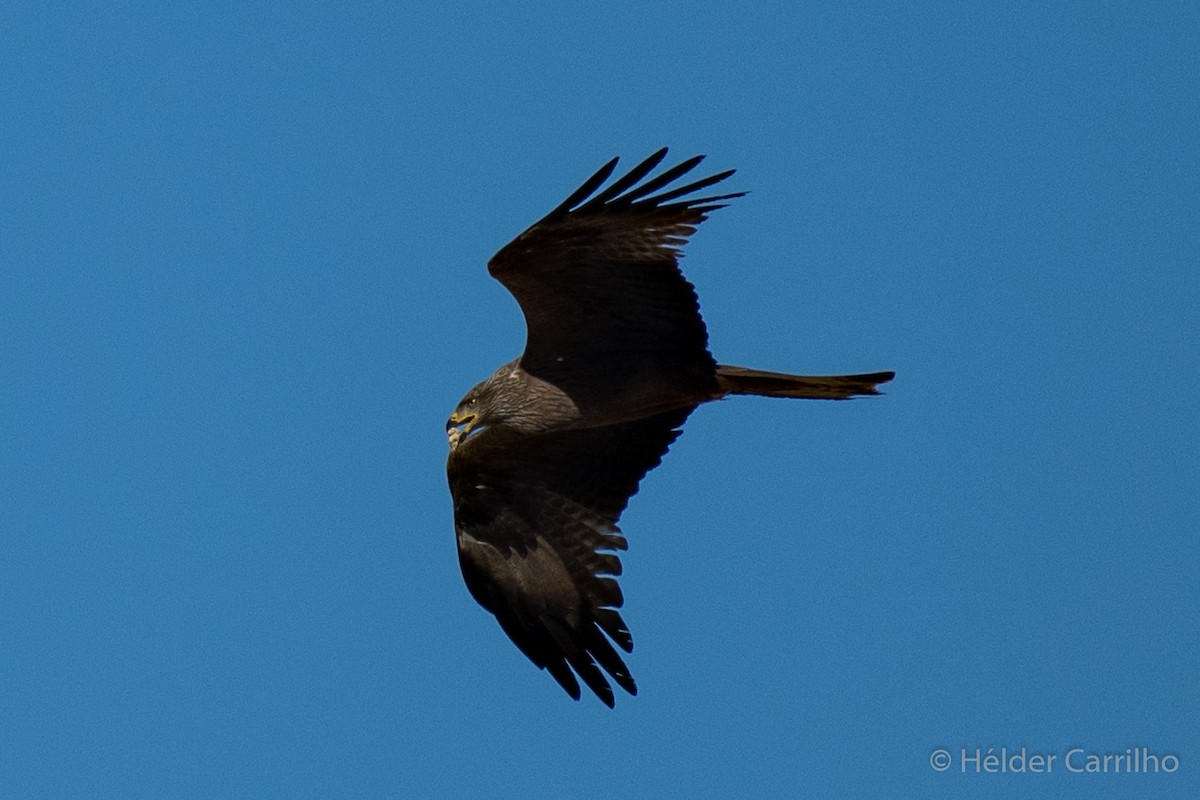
[546,453]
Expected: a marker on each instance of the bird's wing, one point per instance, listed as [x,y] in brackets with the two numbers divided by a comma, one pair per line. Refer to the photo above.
[599,283]
[536,518]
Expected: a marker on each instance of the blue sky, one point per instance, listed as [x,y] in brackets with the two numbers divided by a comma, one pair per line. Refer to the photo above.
[242,285]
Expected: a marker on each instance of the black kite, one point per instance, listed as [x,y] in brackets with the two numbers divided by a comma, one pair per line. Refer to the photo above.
[545,454]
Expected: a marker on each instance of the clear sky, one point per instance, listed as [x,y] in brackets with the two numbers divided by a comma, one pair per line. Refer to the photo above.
[242,285]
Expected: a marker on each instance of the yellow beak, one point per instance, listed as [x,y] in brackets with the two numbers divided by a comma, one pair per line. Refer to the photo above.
[458,426]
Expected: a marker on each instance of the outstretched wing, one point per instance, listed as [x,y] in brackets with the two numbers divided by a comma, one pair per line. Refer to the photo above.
[536,519]
[599,283]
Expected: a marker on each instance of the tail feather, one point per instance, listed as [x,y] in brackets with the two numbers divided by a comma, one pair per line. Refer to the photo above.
[740,380]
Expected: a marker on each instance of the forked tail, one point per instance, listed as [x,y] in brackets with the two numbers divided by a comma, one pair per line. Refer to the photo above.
[739,380]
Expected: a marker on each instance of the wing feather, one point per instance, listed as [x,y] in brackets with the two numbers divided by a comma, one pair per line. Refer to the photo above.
[536,518]
[617,187]
[598,281]
[585,190]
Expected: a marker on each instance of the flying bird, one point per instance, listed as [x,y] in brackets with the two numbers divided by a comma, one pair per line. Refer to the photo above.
[545,454]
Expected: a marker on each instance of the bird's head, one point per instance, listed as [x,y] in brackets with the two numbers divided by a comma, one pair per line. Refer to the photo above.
[502,401]
[470,418]
[463,421]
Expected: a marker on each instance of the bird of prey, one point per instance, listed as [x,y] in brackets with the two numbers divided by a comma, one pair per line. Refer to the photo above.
[545,454]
